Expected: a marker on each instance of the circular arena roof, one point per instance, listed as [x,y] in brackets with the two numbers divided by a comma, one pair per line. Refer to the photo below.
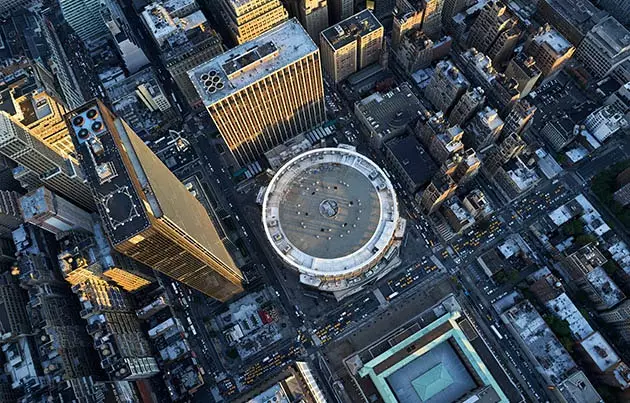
[330,212]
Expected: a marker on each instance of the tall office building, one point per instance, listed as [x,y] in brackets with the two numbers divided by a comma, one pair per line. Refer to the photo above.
[53,213]
[467,106]
[416,51]
[519,118]
[484,129]
[504,45]
[441,188]
[605,47]
[14,321]
[42,114]
[263,93]
[351,45]
[406,18]
[446,86]
[40,165]
[118,338]
[573,19]
[313,15]
[508,148]
[185,39]
[10,216]
[247,19]
[439,139]
[619,319]
[549,49]
[619,8]
[450,9]
[524,70]
[84,16]
[11,5]
[147,213]
[339,10]
[432,19]
[493,20]
[58,61]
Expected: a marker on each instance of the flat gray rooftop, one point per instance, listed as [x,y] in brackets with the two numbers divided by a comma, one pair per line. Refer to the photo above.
[244,65]
[351,28]
[330,211]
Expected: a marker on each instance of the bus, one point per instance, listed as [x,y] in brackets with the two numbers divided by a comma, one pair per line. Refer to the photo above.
[494,329]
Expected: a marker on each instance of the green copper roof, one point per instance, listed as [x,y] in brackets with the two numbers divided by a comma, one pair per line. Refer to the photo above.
[458,337]
[432,382]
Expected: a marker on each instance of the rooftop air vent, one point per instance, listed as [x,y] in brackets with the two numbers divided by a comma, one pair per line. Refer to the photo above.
[78,121]
[83,133]
[212,82]
[92,114]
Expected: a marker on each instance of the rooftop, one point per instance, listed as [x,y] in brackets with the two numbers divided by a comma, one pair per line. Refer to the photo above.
[414,159]
[274,394]
[390,111]
[600,351]
[431,365]
[579,389]
[452,73]
[555,362]
[527,64]
[610,34]
[480,63]
[554,39]
[348,30]
[330,211]
[36,203]
[582,14]
[605,287]
[565,309]
[245,64]
[123,212]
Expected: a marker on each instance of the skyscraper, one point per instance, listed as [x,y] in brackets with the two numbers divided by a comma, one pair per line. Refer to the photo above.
[340,10]
[185,39]
[40,165]
[523,68]
[406,18]
[493,20]
[263,93]
[247,19]
[351,45]
[10,216]
[42,114]
[447,85]
[432,20]
[46,210]
[605,47]
[147,213]
[467,106]
[313,15]
[84,16]
[549,49]
[619,8]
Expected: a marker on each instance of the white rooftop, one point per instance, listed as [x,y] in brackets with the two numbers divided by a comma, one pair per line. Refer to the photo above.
[304,210]
[555,362]
[245,64]
[565,309]
[605,287]
[555,40]
[600,351]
